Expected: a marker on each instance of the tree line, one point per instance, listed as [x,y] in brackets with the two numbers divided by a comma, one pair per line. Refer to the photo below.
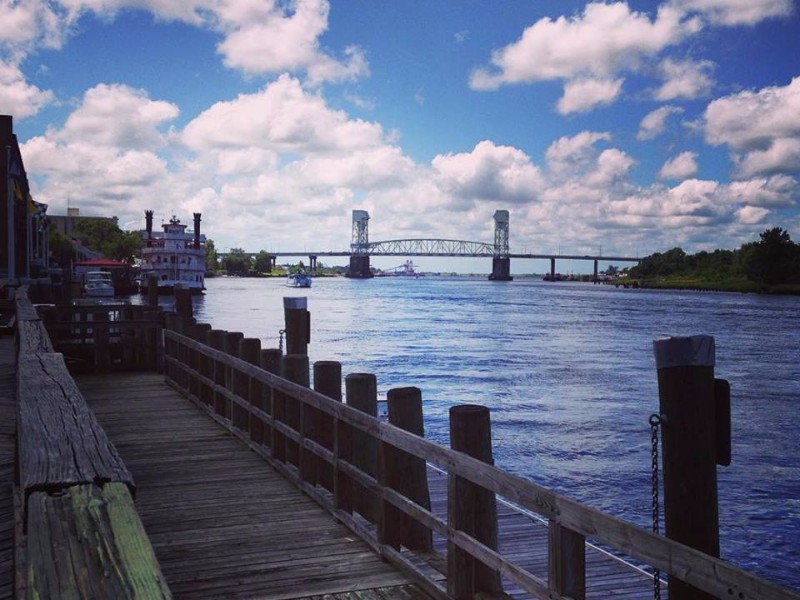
[772,261]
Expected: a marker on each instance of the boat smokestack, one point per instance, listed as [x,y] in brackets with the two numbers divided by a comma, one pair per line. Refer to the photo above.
[196,230]
[148,220]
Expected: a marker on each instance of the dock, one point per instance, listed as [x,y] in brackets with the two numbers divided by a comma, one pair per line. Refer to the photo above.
[191,463]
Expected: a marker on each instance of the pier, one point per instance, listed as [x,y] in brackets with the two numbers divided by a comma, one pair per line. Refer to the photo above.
[214,469]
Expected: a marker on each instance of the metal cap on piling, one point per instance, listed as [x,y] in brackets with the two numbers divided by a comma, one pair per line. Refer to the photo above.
[691,351]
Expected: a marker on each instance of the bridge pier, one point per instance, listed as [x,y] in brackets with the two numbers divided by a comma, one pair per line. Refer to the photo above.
[359,267]
[552,269]
[501,269]
[594,280]
[312,263]
[273,260]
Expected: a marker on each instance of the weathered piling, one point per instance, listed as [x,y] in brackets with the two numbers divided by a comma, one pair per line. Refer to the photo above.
[295,369]
[152,291]
[232,339]
[298,325]
[270,360]
[328,382]
[247,387]
[216,339]
[405,473]
[199,333]
[361,391]
[689,437]
[471,508]
[183,301]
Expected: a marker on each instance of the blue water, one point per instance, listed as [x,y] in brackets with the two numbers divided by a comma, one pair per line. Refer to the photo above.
[568,372]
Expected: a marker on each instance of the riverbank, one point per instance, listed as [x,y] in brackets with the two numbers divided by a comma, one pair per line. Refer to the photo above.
[743,286]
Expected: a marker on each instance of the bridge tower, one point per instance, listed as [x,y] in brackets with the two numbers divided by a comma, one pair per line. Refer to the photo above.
[501,262]
[359,247]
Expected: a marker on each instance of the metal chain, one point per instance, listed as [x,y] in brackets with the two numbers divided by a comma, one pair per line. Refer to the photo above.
[655,422]
[280,339]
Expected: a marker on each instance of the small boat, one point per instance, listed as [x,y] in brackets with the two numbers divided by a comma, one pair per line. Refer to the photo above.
[98,284]
[298,280]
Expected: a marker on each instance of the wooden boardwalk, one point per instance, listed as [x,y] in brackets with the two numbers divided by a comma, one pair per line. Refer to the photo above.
[7,437]
[221,521]
[224,524]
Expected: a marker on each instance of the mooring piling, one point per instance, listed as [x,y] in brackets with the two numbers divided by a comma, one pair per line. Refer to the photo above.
[687,406]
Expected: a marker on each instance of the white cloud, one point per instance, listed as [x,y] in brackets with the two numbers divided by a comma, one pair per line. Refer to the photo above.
[655,123]
[282,117]
[572,154]
[261,38]
[581,95]
[599,42]
[99,120]
[737,12]
[762,128]
[783,155]
[497,173]
[777,191]
[680,167]
[684,79]
[17,96]
[751,215]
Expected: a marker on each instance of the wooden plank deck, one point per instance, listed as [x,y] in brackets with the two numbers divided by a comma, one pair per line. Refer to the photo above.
[7,437]
[221,521]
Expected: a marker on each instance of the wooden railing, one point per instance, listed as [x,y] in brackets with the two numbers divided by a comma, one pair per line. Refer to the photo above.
[104,337]
[81,536]
[287,423]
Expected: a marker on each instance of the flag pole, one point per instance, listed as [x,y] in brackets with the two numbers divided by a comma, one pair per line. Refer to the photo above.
[12,274]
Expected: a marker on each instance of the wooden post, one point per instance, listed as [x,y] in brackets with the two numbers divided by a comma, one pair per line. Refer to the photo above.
[250,351]
[232,339]
[328,382]
[298,325]
[152,341]
[200,334]
[216,339]
[152,291]
[406,474]
[566,566]
[471,508]
[687,407]
[170,324]
[183,301]
[295,369]
[101,345]
[270,361]
[362,394]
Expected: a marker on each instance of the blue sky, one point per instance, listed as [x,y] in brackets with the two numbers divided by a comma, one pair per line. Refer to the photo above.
[628,127]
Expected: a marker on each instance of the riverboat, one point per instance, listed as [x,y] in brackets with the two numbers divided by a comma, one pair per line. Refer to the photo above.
[301,279]
[174,256]
[98,284]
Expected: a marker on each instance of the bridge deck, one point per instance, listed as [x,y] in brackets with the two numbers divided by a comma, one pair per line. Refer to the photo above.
[223,523]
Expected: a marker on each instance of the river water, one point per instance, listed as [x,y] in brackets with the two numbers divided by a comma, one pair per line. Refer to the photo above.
[567,370]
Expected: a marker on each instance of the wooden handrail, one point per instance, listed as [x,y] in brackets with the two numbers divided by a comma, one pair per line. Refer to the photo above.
[76,491]
[705,572]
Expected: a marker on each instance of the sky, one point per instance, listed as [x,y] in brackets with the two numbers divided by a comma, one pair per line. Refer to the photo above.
[620,128]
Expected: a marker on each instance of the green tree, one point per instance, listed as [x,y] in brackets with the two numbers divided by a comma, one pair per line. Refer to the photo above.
[212,261]
[775,259]
[237,262]
[104,235]
[263,262]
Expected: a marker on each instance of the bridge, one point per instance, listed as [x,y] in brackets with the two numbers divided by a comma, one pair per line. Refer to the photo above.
[361,249]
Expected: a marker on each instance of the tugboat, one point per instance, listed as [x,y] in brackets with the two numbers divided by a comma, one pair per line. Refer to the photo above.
[175,257]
